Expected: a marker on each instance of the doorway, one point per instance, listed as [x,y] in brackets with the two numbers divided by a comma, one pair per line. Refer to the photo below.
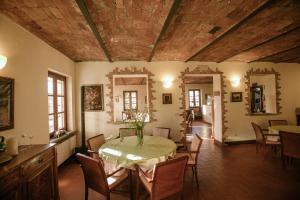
[199,104]
[203,103]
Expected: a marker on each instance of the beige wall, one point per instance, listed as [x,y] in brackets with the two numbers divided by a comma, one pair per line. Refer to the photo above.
[168,115]
[29,60]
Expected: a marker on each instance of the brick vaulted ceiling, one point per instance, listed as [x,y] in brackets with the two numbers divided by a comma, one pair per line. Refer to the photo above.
[161,30]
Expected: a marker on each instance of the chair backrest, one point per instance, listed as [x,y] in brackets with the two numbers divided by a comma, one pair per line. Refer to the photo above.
[162,132]
[195,147]
[258,133]
[290,144]
[94,143]
[125,132]
[168,177]
[277,122]
[94,174]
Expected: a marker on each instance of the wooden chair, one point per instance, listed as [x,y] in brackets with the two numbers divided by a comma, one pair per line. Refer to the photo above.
[125,132]
[262,139]
[94,143]
[278,122]
[166,179]
[290,146]
[162,132]
[96,179]
[193,153]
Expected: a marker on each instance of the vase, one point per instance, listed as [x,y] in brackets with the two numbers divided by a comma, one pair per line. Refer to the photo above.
[140,137]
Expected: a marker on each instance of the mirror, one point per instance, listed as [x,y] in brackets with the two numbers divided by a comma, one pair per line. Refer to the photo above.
[130,95]
[262,89]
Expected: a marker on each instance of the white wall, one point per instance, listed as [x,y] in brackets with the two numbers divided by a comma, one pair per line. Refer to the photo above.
[168,114]
[29,59]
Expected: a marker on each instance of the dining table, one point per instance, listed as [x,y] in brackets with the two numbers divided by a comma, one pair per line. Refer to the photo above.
[125,152]
[286,128]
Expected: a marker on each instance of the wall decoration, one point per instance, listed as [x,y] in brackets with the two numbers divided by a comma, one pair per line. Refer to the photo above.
[167,98]
[236,96]
[93,98]
[6,103]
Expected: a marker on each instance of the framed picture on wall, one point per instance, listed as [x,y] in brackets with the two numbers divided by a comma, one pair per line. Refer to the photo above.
[167,98]
[236,96]
[93,98]
[6,103]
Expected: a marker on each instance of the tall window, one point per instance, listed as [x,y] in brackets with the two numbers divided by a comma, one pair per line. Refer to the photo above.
[194,98]
[130,100]
[56,102]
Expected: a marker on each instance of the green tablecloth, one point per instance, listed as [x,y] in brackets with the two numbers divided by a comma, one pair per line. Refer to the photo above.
[127,153]
[287,128]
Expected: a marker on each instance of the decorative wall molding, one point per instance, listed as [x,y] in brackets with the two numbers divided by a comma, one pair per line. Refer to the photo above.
[247,88]
[130,71]
[199,70]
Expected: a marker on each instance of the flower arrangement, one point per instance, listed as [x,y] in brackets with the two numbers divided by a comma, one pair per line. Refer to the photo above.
[138,122]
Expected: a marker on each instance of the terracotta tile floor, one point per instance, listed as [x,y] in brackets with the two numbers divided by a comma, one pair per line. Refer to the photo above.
[231,172]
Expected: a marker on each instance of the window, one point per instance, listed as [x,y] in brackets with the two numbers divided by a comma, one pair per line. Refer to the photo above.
[130,100]
[56,102]
[194,98]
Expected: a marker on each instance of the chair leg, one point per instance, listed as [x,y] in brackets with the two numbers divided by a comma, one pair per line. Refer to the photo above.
[283,161]
[130,184]
[193,171]
[137,188]
[196,176]
[86,193]
[108,197]
[182,196]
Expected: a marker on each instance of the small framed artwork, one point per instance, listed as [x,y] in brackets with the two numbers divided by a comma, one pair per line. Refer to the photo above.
[236,96]
[6,103]
[93,98]
[167,98]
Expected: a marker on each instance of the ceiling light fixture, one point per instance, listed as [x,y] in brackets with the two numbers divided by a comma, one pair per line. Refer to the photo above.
[167,81]
[3,61]
[235,81]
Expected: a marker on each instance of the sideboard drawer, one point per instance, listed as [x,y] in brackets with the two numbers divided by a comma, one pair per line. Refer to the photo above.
[10,180]
[37,162]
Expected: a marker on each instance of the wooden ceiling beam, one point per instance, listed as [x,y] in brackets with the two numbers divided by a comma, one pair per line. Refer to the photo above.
[275,54]
[262,43]
[290,59]
[169,18]
[234,27]
[82,6]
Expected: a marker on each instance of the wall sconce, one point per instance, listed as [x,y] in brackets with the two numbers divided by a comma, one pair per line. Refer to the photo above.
[167,81]
[235,81]
[3,61]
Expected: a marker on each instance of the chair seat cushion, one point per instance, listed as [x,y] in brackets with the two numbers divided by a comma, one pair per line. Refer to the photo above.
[117,178]
[272,142]
[191,161]
[146,181]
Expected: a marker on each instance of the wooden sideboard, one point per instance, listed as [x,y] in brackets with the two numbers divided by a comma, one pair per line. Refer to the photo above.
[30,175]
